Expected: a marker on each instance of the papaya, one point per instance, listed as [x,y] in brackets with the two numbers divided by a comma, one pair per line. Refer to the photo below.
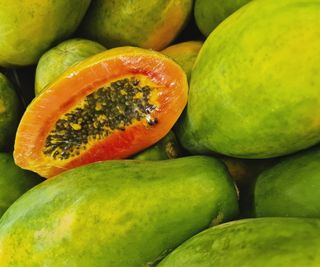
[209,14]
[109,106]
[13,181]
[28,28]
[290,188]
[167,148]
[262,242]
[245,97]
[56,60]
[147,24]
[104,214]
[184,54]
[10,113]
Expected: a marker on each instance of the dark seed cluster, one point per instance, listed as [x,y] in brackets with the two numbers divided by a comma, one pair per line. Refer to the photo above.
[107,109]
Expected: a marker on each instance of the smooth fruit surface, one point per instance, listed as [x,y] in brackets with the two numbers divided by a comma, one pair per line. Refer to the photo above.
[13,181]
[148,23]
[107,213]
[254,89]
[209,14]
[56,60]
[263,242]
[291,188]
[109,106]
[9,113]
[29,27]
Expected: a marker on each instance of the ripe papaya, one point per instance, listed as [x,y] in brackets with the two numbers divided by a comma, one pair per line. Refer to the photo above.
[10,112]
[109,106]
[291,188]
[116,213]
[184,54]
[56,60]
[147,24]
[209,14]
[246,98]
[13,181]
[263,242]
[28,28]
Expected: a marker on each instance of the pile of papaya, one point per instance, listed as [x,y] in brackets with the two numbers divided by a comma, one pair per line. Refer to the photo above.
[170,133]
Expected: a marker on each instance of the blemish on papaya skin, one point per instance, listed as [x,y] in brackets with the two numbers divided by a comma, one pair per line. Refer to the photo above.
[2,107]
[217,220]
[113,107]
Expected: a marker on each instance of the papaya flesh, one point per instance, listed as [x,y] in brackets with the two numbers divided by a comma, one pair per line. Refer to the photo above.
[147,24]
[109,106]
[29,28]
[246,98]
[56,60]
[13,181]
[263,242]
[290,188]
[107,213]
[10,112]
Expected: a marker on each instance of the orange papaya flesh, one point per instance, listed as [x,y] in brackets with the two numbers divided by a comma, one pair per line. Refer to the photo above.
[110,106]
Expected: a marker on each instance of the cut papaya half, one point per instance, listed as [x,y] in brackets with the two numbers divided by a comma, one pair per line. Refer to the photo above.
[109,106]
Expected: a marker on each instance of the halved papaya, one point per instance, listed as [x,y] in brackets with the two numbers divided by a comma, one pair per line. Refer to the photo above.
[109,106]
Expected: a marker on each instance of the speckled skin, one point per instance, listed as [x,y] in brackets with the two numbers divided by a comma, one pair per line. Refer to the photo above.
[9,113]
[210,13]
[13,181]
[291,188]
[255,87]
[147,24]
[55,61]
[184,54]
[116,213]
[29,27]
[264,242]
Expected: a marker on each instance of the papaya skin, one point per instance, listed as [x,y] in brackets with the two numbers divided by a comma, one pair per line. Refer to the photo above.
[56,60]
[83,79]
[29,27]
[116,23]
[184,54]
[13,181]
[263,242]
[129,204]
[10,113]
[209,14]
[271,115]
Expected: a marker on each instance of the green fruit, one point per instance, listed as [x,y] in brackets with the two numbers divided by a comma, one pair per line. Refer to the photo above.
[28,28]
[291,188]
[147,24]
[167,148]
[9,113]
[184,54]
[55,61]
[13,181]
[255,88]
[116,213]
[265,242]
[209,14]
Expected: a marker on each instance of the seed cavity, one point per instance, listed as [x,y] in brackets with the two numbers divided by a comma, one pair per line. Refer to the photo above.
[108,109]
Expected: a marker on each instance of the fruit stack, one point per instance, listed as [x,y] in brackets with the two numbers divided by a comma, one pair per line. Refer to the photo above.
[170,133]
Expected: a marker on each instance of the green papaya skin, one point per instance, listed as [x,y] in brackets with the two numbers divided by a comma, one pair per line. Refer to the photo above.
[209,14]
[116,213]
[263,242]
[290,188]
[56,60]
[10,112]
[147,24]
[13,181]
[184,54]
[29,27]
[167,148]
[245,97]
